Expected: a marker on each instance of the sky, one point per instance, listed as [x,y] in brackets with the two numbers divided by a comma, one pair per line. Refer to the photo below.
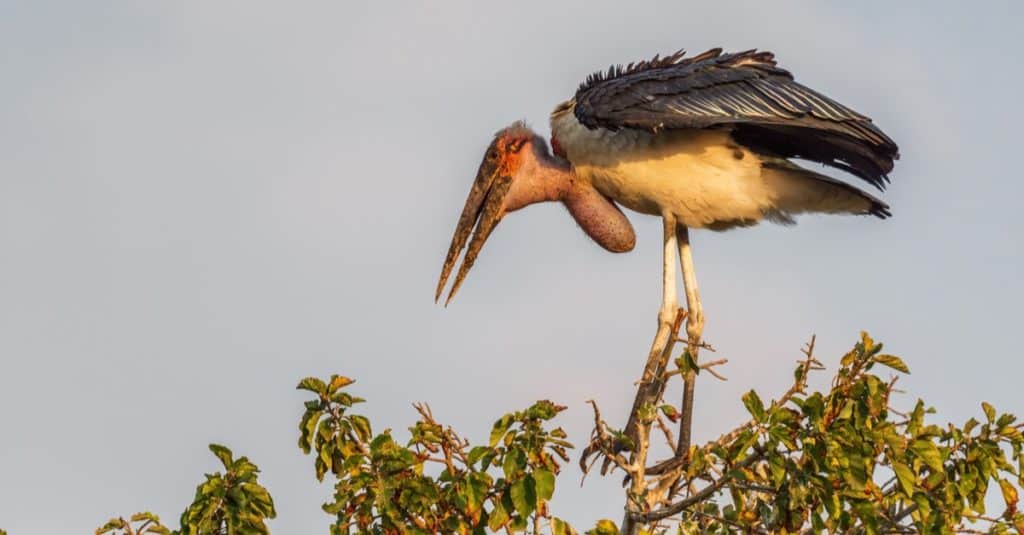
[203,202]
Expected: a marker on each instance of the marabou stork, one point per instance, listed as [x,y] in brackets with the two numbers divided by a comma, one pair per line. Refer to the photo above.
[704,142]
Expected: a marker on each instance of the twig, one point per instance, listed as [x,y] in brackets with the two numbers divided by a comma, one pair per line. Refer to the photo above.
[732,523]
[755,488]
[686,422]
[710,368]
[705,493]
[706,366]
[808,363]
[904,513]
[665,431]
[451,444]
[701,345]
[604,444]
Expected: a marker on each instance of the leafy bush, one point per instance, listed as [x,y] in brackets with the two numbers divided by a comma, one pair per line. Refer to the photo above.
[382,486]
[840,461]
[231,503]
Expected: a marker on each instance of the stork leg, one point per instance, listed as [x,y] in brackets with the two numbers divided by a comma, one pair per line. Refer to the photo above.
[651,383]
[669,296]
[694,330]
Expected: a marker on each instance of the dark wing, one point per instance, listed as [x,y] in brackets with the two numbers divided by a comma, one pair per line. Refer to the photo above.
[767,109]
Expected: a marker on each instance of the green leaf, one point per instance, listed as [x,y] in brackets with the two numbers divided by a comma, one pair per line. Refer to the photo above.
[346,399]
[499,429]
[314,385]
[905,476]
[970,425]
[927,452]
[893,362]
[476,488]
[624,441]
[1009,494]
[524,495]
[686,363]
[475,454]
[754,405]
[604,527]
[111,525]
[338,381]
[544,410]
[990,411]
[561,527]
[488,458]
[498,517]
[145,515]
[362,427]
[777,467]
[223,454]
[1020,470]
[545,481]
[380,443]
[514,463]
[867,343]
[848,359]
[258,493]
[916,418]
[307,428]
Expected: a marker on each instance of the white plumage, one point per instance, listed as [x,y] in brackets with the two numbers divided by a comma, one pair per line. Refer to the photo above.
[702,177]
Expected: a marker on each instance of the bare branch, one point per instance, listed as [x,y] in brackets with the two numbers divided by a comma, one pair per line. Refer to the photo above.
[665,431]
[602,442]
[710,368]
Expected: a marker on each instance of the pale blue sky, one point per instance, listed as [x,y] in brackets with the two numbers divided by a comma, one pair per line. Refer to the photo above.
[202,202]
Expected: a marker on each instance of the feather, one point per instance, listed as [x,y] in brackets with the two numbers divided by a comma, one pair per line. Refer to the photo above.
[746,91]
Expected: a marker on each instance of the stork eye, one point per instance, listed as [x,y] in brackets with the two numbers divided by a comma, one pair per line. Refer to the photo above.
[515,145]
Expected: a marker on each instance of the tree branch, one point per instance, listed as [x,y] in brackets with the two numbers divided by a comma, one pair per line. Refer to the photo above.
[705,493]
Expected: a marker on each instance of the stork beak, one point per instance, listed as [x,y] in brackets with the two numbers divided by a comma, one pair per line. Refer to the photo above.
[484,209]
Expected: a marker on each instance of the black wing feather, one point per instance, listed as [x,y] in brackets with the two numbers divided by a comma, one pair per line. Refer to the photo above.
[766,108]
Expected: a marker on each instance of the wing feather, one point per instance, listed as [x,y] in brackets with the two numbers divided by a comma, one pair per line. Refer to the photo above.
[765,106]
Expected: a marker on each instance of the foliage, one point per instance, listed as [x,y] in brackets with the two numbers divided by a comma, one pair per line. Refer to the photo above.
[230,503]
[845,461]
[840,461]
[138,524]
[382,486]
[234,502]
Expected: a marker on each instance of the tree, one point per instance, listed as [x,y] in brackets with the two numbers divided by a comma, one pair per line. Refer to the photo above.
[839,461]
[384,486]
[230,503]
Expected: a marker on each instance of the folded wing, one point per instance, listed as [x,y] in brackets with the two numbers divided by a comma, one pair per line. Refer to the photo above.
[746,91]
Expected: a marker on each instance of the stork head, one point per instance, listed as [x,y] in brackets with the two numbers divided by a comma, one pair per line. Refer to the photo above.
[500,186]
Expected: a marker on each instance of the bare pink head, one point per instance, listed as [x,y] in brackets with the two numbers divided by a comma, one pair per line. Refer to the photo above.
[518,170]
